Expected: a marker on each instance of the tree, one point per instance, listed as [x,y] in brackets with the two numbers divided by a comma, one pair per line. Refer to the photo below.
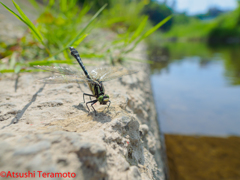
[157,12]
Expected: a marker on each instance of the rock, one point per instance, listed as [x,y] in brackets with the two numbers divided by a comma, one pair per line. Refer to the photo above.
[131,81]
[143,129]
[93,158]
[13,111]
[33,148]
[134,174]
[5,147]
[49,137]
[35,162]
[7,105]
[50,104]
[91,149]
[5,117]
[6,135]
[118,143]
[68,86]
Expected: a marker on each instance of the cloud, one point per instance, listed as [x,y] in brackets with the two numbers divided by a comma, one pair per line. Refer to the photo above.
[201,6]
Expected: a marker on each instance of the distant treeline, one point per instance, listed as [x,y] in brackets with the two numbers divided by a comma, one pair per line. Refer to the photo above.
[216,26]
[155,10]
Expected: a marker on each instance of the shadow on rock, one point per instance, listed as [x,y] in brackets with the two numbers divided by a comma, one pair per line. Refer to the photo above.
[20,113]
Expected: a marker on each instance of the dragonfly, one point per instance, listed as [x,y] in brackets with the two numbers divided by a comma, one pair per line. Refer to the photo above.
[94,79]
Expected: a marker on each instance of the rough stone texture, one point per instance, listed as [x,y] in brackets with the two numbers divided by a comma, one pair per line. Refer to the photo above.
[47,128]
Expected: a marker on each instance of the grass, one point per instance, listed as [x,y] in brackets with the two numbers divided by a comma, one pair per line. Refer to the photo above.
[59,26]
[48,36]
[194,30]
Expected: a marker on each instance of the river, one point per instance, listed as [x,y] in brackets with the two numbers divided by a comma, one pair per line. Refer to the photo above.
[197,95]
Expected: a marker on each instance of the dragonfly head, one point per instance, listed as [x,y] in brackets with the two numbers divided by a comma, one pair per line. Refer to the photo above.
[103,99]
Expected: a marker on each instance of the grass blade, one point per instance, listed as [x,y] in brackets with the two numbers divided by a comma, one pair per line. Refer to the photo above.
[84,11]
[17,69]
[34,4]
[139,29]
[13,60]
[51,3]
[13,13]
[92,55]
[72,3]
[21,19]
[156,27]
[91,20]
[29,22]
[77,42]
[7,71]
[22,70]
[45,62]
[63,5]
[149,32]
[82,31]
[114,20]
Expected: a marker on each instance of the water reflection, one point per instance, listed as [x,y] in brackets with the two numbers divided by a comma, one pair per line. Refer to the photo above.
[171,52]
[197,90]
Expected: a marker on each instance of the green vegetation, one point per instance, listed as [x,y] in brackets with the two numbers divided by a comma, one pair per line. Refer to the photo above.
[195,29]
[225,28]
[122,16]
[63,23]
[231,63]
[157,12]
[49,38]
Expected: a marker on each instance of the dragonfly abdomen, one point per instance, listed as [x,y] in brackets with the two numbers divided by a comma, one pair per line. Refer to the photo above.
[75,54]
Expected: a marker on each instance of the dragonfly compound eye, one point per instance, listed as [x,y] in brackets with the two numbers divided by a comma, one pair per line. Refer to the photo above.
[100,99]
[106,98]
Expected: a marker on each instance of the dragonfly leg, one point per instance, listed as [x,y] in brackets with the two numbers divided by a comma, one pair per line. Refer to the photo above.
[84,94]
[109,103]
[93,102]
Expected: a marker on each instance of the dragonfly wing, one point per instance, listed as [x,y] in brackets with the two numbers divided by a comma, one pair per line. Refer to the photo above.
[60,70]
[109,73]
[100,72]
[65,79]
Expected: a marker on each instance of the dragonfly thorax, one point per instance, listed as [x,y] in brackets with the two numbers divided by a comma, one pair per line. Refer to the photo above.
[97,89]
[99,92]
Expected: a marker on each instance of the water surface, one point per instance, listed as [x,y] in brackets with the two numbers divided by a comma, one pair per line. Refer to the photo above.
[197,89]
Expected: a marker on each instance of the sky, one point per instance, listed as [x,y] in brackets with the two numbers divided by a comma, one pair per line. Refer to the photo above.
[201,6]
